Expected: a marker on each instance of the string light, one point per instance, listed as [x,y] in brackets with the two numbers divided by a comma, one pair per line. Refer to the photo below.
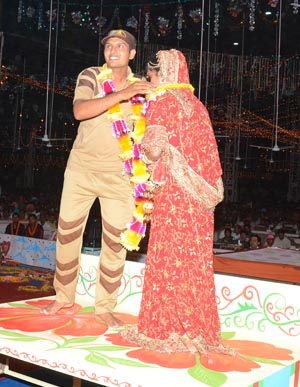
[252,15]
[179,22]
[217,19]
[147,25]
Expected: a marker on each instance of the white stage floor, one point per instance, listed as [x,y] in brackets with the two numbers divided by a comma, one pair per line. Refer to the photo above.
[261,319]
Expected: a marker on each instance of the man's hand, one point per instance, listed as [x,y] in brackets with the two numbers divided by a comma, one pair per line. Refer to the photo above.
[138,87]
[86,109]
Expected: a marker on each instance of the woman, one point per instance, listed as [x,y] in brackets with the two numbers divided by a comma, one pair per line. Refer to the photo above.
[178,310]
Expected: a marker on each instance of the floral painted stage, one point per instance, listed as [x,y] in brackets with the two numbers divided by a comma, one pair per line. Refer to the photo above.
[261,319]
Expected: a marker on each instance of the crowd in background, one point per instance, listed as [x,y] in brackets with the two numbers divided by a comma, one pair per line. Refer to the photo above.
[237,225]
[249,226]
[29,214]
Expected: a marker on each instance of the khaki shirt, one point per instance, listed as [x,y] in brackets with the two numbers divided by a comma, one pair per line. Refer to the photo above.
[95,149]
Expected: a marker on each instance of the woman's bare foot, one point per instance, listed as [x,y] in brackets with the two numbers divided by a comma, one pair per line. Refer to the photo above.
[55,307]
[109,319]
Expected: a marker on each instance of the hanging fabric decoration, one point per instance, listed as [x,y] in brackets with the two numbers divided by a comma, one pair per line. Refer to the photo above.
[132,22]
[179,21]
[217,19]
[252,15]
[76,17]
[30,12]
[163,25]
[100,21]
[147,25]
[295,4]
[235,8]
[273,3]
[52,15]
[196,15]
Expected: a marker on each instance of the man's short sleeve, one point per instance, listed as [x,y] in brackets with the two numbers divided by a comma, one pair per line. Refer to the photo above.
[87,86]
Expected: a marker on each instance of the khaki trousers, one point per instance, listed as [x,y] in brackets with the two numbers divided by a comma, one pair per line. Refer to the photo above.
[117,205]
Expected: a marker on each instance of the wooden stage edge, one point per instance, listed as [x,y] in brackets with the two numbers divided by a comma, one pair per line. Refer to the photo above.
[263,270]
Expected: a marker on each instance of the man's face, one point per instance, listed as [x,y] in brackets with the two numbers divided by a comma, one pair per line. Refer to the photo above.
[15,218]
[31,220]
[117,53]
[243,236]
[254,242]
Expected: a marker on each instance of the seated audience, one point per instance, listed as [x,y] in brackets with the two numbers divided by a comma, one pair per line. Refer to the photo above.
[227,239]
[6,214]
[34,229]
[236,232]
[281,240]
[226,226]
[243,240]
[254,242]
[15,227]
[269,241]
[247,229]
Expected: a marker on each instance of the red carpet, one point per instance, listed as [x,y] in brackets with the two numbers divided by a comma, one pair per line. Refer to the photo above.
[24,282]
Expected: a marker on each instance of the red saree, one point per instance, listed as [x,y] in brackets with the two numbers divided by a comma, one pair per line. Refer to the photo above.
[178,310]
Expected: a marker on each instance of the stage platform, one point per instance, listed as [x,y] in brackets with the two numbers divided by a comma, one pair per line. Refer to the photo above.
[269,263]
[260,319]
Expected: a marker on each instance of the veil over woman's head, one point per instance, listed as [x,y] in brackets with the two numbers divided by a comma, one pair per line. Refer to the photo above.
[173,66]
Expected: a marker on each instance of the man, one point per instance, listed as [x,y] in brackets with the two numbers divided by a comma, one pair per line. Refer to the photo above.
[15,227]
[95,170]
[254,242]
[34,229]
[282,241]
[243,241]
[269,241]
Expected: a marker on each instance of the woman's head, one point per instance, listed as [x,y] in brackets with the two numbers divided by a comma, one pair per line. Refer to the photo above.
[168,66]
[153,70]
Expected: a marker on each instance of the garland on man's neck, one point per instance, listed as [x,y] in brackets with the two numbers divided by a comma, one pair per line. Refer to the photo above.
[130,144]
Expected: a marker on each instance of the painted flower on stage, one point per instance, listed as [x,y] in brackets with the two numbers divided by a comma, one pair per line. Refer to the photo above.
[76,328]
[75,321]
[250,354]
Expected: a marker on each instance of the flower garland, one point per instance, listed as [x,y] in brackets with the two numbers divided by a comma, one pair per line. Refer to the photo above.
[130,144]
[14,230]
[32,230]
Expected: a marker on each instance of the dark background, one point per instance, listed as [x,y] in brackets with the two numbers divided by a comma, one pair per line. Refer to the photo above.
[32,57]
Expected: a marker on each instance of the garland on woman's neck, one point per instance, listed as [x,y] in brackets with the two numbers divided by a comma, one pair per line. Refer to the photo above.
[130,144]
